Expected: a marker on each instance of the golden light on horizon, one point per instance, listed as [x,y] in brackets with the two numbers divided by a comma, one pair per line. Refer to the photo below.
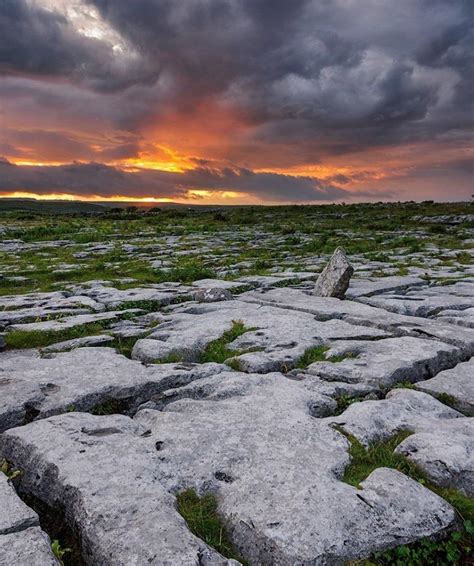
[83,198]
[137,164]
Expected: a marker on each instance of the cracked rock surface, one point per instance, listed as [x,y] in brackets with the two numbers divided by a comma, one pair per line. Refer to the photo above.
[281,336]
[240,383]
[81,379]
[253,466]
[21,539]
[101,471]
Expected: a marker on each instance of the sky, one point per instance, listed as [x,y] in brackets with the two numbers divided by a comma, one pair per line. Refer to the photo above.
[237,101]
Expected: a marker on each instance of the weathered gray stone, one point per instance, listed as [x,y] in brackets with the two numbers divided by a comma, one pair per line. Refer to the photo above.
[361,314]
[266,281]
[443,441]
[9,302]
[35,314]
[402,409]
[462,318]
[217,284]
[457,383]
[264,443]
[33,306]
[212,295]
[268,442]
[85,341]
[426,302]
[335,277]
[71,321]
[21,540]
[281,336]
[226,385]
[161,295]
[383,363]
[82,379]
[375,286]
[30,547]
[15,515]
[445,454]
[102,471]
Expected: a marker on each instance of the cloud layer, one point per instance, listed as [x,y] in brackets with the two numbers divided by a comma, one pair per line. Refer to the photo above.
[97,179]
[282,100]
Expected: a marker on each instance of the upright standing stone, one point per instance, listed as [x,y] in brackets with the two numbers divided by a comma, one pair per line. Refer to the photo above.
[335,277]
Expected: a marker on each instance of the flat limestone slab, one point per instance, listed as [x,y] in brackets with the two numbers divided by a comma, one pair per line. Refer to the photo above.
[277,337]
[376,285]
[112,298]
[442,443]
[30,547]
[15,515]
[383,363]
[85,341]
[461,318]
[427,301]
[276,470]
[273,466]
[102,470]
[445,454]
[69,322]
[326,308]
[34,388]
[458,383]
[22,542]
[402,409]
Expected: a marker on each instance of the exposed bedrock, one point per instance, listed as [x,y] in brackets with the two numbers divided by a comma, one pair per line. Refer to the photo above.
[276,337]
[21,539]
[250,439]
[34,387]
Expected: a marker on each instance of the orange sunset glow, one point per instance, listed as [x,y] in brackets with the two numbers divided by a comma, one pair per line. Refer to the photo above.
[322,109]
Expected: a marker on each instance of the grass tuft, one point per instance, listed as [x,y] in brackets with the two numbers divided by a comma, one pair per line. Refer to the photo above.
[378,455]
[311,355]
[171,358]
[318,354]
[111,407]
[217,350]
[202,518]
[40,339]
[345,401]
[455,549]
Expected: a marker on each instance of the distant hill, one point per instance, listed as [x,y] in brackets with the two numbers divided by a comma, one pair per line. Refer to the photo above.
[49,206]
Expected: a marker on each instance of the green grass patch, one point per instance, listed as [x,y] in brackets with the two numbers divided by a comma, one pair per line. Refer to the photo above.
[171,358]
[446,399]
[341,357]
[455,549]
[188,271]
[202,518]
[378,455]
[125,346]
[345,401]
[218,350]
[39,339]
[111,407]
[464,258]
[318,354]
[311,355]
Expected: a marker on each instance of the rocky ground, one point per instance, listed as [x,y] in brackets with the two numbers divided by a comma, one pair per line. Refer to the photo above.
[322,430]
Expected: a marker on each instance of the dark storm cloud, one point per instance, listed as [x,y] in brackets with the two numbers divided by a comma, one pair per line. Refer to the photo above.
[98,179]
[38,42]
[312,78]
[335,64]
